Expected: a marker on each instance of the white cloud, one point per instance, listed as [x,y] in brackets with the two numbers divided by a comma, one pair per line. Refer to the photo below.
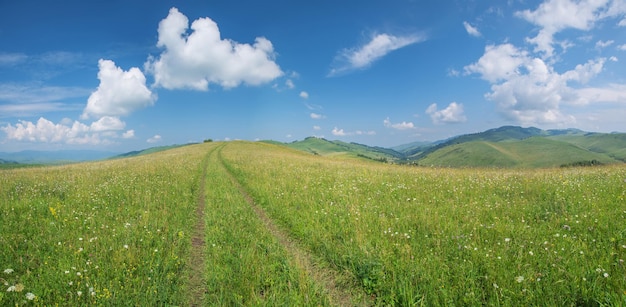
[471,30]
[604,44]
[398,126]
[289,84]
[154,139]
[450,115]
[338,132]
[107,123]
[528,90]
[379,46]
[129,134]
[622,47]
[317,128]
[553,16]
[65,132]
[499,62]
[119,93]
[194,59]
[317,116]
[304,95]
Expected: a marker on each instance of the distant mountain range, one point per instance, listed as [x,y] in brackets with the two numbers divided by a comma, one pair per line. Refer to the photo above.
[71,156]
[53,157]
[504,147]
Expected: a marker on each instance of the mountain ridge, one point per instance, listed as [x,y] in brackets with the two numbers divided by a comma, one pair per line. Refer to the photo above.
[506,146]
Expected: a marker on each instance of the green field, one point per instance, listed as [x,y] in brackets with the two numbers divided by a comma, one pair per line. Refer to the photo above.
[241,223]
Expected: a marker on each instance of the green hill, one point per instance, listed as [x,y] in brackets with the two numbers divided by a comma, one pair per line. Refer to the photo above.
[321,146]
[612,145]
[504,147]
[532,152]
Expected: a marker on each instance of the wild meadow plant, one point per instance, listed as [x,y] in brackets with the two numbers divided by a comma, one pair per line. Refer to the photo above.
[119,232]
[435,236]
[108,233]
[246,265]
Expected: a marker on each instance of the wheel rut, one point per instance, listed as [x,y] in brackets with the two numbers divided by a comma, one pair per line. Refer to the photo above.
[328,278]
[196,284]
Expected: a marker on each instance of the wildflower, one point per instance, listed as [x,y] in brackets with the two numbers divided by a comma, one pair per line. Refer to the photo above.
[11,289]
[519,278]
[126,246]
[30,296]
[19,287]
[79,293]
[495,285]
[605,275]
[507,239]
[8,271]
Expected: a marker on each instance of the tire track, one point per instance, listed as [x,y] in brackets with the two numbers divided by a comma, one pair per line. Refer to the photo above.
[328,278]
[196,283]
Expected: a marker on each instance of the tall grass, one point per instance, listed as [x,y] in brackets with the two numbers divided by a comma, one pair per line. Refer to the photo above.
[119,232]
[442,236]
[246,265]
[111,233]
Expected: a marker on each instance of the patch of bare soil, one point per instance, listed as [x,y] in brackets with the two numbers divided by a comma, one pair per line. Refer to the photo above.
[196,282]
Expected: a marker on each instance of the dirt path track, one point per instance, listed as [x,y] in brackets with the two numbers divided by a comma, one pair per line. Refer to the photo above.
[322,275]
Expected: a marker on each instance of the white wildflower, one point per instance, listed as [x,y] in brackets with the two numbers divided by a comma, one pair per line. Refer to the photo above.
[8,271]
[519,278]
[30,296]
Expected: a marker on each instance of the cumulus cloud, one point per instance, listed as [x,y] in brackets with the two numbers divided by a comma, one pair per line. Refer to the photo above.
[398,126]
[304,95]
[528,90]
[379,46]
[452,114]
[194,59]
[498,62]
[108,123]
[471,30]
[289,83]
[317,128]
[553,16]
[129,134]
[154,139]
[119,93]
[67,131]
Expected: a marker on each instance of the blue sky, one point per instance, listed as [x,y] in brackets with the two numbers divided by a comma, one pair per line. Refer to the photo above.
[125,75]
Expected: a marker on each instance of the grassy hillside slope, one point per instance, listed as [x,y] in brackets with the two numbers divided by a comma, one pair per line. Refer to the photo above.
[612,145]
[529,153]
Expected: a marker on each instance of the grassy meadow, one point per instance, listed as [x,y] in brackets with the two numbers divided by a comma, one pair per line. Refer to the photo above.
[125,232]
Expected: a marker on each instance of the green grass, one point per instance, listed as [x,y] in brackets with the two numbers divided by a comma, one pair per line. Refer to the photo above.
[119,232]
[534,152]
[439,237]
[612,145]
[112,233]
[245,264]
